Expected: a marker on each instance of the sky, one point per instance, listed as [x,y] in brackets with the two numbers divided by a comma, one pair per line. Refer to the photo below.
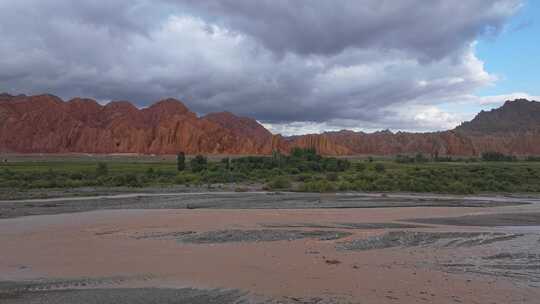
[297,66]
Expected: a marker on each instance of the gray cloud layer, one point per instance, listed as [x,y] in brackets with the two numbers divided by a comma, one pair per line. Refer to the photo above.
[344,63]
[430,29]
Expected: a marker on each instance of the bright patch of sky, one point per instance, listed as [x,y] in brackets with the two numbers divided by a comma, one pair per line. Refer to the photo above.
[513,58]
[514,55]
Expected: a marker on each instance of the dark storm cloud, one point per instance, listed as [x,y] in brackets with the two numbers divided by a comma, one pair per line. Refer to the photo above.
[347,62]
[428,28]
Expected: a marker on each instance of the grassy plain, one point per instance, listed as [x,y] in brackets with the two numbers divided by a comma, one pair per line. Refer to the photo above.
[303,172]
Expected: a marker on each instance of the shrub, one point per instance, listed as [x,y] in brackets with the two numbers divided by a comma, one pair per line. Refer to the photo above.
[76,176]
[349,177]
[51,175]
[102,169]
[332,176]
[344,186]
[279,182]
[496,156]
[379,167]
[150,173]
[253,162]
[187,178]
[360,167]
[199,163]
[180,179]
[361,185]
[238,176]
[312,166]
[330,164]
[128,179]
[7,173]
[220,176]
[318,186]
[459,188]
[132,180]
[309,154]
[303,177]
[294,171]
[226,163]
[420,158]
[443,159]
[404,159]
[38,184]
[343,164]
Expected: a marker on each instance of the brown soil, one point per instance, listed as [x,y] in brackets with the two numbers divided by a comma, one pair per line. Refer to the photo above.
[280,255]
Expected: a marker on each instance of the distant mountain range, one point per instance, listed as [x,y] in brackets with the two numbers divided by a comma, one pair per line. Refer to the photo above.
[47,124]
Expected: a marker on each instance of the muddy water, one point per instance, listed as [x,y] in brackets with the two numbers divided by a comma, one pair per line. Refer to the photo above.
[406,196]
[147,248]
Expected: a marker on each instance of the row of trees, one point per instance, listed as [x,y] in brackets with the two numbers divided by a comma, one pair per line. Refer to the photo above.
[197,164]
[307,160]
[301,160]
[496,156]
[486,156]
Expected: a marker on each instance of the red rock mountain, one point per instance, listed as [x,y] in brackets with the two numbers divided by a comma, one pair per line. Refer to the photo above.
[46,124]
[512,129]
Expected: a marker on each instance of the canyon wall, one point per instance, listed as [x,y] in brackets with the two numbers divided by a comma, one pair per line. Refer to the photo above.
[46,124]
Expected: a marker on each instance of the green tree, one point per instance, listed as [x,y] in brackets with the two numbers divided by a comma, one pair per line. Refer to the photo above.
[277,158]
[181,161]
[226,162]
[199,163]
[305,153]
[343,164]
[330,164]
[496,156]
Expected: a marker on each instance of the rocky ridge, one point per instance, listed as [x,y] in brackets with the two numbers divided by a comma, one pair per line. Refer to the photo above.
[47,124]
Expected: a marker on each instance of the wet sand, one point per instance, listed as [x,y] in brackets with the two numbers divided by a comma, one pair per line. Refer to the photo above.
[248,200]
[269,255]
[487,220]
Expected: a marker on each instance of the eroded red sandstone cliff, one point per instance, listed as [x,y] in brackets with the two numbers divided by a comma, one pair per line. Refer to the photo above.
[511,129]
[46,124]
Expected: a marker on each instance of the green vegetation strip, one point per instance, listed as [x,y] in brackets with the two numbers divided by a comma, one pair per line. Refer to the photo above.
[303,170]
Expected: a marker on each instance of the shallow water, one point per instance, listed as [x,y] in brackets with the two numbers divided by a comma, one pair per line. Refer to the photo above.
[141,247]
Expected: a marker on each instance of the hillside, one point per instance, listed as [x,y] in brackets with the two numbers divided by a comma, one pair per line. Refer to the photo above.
[519,115]
[47,124]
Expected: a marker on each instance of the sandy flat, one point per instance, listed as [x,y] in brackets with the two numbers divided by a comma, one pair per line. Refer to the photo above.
[280,254]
